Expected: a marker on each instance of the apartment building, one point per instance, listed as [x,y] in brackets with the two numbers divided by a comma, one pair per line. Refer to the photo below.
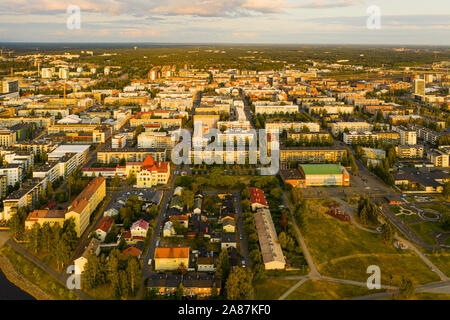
[26,196]
[155,140]
[273,109]
[86,203]
[294,126]
[99,133]
[7,137]
[425,134]
[410,151]
[439,158]
[360,127]
[407,136]
[312,154]
[40,122]
[271,251]
[330,109]
[108,155]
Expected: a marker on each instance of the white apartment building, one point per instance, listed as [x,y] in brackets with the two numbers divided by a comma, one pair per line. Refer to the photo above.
[295,126]
[359,127]
[151,139]
[118,141]
[13,173]
[7,137]
[272,109]
[331,109]
[407,136]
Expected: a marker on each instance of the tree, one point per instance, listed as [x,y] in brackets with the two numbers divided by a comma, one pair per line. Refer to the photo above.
[406,289]
[446,190]
[134,273]
[112,268]
[239,284]
[297,195]
[187,198]
[223,265]
[94,273]
[115,181]
[387,233]
[284,220]
[33,238]
[180,292]
[282,238]
[131,179]
[445,221]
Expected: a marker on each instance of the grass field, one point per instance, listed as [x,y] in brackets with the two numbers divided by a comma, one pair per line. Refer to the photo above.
[436,206]
[431,296]
[424,231]
[330,240]
[272,289]
[395,266]
[442,261]
[36,275]
[323,290]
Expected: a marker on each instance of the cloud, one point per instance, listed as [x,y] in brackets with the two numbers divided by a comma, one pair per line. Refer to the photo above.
[205,8]
[244,34]
[321,4]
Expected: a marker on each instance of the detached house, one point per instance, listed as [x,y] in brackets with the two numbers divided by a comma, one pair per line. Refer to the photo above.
[171,258]
[103,227]
[139,228]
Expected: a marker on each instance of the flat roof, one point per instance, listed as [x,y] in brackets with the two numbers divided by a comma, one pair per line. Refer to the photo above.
[321,169]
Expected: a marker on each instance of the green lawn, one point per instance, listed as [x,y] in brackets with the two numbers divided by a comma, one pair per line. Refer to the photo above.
[406,218]
[36,275]
[408,265]
[324,290]
[431,296]
[272,289]
[288,273]
[424,231]
[328,238]
[442,261]
[436,206]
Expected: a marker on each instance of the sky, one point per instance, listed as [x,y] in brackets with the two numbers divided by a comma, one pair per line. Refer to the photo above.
[402,22]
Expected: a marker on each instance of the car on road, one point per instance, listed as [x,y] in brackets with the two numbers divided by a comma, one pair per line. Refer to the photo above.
[240,237]
[157,243]
[150,261]
[243,262]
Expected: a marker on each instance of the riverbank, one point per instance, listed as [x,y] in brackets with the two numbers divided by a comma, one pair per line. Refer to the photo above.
[20,281]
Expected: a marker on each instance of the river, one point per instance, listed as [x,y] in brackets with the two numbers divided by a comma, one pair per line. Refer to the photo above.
[8,291]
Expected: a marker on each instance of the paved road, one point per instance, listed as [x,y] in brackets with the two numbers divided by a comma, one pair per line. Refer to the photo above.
[241,230]
[425,288]
[146,269]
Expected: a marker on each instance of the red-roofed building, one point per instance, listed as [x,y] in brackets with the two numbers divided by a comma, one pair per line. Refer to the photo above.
[152,173]
[257,199]
[139,228]
[103,227]
[133,251]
